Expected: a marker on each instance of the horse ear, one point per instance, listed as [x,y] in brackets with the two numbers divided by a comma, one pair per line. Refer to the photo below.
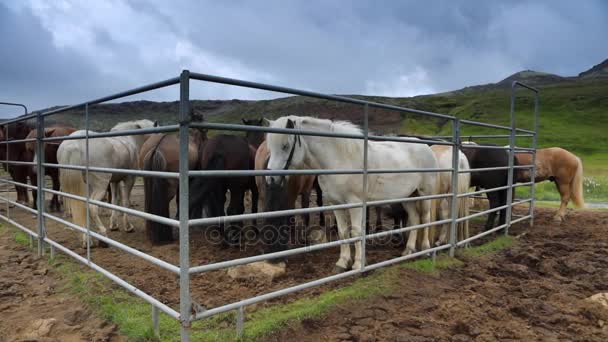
[260,121]
[290,124]
[49,132]
[155,123]
[244,121]
[268,121]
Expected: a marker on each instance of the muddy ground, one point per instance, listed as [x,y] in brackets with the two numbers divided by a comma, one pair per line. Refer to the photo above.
[534,290]
[32,305]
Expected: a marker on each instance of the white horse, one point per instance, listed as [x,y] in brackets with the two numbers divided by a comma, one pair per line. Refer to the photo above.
[311,152]
[443,154]
[111,152]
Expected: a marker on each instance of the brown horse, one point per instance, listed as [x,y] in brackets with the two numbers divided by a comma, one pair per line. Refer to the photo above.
[17,152]
[559,166]
[224,152]
[161,153]
[50,157]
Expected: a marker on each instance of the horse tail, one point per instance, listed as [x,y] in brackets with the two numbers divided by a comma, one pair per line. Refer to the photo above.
[576,186]
[202,189]
[72,182]
[156,190]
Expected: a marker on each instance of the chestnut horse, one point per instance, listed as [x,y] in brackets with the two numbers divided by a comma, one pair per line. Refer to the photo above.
[559,166]
[160,152]
[17,152]
[50,157]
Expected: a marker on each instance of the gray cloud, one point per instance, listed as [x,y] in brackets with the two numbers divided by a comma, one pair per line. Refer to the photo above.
[67,52]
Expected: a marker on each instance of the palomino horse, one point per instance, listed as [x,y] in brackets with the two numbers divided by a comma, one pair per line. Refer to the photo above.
[110,152]
[482,158]
[224,152]
[17,152]
[161,153]
[312,152]
[50,157]
[560,166]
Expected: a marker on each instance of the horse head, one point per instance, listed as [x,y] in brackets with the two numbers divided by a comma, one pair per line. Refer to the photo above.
[286,150]
[255,138]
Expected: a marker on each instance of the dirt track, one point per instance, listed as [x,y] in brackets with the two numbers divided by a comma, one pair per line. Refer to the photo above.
[534,290]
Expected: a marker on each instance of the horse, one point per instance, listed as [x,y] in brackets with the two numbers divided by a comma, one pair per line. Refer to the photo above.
[443,154]
[17,152]
[224,152]
[50,157]
[560,166]
[482,158]
[292,186]
[160,152]
[255,138]
[112,152]
[312,152]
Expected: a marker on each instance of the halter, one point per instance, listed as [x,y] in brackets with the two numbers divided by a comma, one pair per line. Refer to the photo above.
[293,148]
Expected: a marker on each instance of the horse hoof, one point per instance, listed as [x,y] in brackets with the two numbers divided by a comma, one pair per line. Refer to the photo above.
[102,244]
[113,228]
[339,269]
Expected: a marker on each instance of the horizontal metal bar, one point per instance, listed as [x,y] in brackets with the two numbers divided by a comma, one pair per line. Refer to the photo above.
[156,261]
[235,127]
[483,136]
[143,173]
[406,229]
[282,292]
[486,147]
[523,166]
[524,149]
[134,91]
[144,215]
[31,187]
[521,202]
[521,219]
[19,225]
[483,124]
[16,141]
[19,205]
[18,119]
[465,218]
[262,257]
[166,309]
[238,173]
[16,162]
[480,235]
[279,213]
[241,83]
[406,257]
[523,184]
[482,191]
[525,86]
[484,169]
[150,130]
[531,133]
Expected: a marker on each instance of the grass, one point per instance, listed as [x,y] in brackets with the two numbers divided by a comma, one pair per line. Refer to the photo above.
[132,314]
[595,190]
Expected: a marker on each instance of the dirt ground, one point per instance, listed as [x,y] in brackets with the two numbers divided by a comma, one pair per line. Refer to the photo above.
[32,308]
[532,292]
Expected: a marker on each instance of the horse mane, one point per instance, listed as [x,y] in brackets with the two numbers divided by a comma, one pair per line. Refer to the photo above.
[349,146]
[135,124]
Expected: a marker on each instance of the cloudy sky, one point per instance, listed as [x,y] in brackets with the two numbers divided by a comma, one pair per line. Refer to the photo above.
[64,52]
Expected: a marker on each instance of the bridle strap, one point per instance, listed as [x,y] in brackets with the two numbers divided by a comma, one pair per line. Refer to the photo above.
[293,148]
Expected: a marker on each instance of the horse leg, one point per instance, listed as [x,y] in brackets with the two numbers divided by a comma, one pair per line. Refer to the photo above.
[320,203]
[55,205]
[114,186]
[443,212]
[236,207]
[345,259]
[564,193]
[125,191]
[356,231]
[502,197]
[306,204]
[97,194]
[425,216]
[493,199]
[413,219]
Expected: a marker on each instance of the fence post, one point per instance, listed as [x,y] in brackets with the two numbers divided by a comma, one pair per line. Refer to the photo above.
[533,171]
[184,239]
[86,175]
[455,174]
[8,167]
[40,181]
[364,199]
[155,321]
[240,322]
[510,188]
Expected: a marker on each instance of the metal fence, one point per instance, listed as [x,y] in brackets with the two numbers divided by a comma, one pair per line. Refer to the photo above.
[185,314]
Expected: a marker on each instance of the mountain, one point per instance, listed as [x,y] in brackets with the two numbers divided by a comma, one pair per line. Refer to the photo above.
[573,111]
